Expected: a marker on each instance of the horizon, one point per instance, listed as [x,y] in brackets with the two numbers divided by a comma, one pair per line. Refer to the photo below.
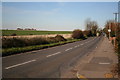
[56,16]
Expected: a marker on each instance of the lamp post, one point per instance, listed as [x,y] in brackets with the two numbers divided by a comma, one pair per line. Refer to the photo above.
[109,30]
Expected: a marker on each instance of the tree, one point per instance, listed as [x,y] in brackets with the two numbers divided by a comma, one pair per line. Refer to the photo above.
[88,23]
[112,26]
[92,26]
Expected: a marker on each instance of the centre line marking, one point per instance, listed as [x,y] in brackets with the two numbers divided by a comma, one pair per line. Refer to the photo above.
[81,44]
[104,63]
[76,46]
[68,49]
[53,54]
[20,64]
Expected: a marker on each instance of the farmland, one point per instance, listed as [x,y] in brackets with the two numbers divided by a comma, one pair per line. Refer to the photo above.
[24,32]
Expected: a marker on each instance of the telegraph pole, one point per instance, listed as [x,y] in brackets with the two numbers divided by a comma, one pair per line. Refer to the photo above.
[116,14]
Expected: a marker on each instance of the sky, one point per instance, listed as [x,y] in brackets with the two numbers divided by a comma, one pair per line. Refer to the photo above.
[56,16]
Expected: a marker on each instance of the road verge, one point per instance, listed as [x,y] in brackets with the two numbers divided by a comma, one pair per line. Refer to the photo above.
[11,51]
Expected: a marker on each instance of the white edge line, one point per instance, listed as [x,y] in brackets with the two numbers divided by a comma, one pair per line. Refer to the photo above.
[20,64]
[104,63]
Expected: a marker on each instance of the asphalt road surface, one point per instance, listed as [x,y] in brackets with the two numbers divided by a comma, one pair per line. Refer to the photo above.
[47,63]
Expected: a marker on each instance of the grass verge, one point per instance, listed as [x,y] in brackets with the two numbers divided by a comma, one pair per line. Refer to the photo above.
[11,51]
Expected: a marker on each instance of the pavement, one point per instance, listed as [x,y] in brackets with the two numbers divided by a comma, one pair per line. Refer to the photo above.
[55,61]
[99,63]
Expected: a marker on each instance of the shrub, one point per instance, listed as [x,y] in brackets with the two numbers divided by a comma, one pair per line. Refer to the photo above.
[87,33]
[60,38]
[118,39]
[112,34]
[22,42]
[77,34]
[12,42]
[14,34]
[118,47]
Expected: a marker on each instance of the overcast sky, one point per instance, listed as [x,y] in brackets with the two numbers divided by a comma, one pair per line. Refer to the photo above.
[55,15]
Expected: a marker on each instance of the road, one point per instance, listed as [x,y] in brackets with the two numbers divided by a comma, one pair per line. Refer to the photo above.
[47,63]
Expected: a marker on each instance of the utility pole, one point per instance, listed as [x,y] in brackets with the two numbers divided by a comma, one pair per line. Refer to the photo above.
[116,14]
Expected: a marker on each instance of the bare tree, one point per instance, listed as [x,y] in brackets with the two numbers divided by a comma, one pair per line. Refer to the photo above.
[87,24]
[91,25]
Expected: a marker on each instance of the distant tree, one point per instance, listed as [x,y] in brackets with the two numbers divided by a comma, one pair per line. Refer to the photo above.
[92,26]
[112,26]
[87,24]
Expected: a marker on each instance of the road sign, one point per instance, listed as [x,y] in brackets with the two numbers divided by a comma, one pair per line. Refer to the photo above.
[109,30]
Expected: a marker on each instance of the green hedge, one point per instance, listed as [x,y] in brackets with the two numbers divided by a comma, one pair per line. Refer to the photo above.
[11,51]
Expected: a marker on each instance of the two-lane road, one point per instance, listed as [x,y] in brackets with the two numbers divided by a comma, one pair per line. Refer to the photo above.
[48,62]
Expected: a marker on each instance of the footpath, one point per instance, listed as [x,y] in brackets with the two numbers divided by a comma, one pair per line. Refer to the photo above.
[100,63]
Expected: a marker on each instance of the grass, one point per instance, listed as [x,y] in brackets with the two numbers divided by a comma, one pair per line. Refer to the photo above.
[20,32]
[11,51]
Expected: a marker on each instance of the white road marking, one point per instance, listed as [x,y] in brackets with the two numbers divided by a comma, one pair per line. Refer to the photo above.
[104,63]
[81,44]
[68,49]
[76,46]
[53,54]
[20,64]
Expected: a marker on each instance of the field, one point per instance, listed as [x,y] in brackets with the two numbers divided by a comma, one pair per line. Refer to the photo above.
[20,32]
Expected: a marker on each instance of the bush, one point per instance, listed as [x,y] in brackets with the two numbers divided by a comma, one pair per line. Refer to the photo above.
[118,48]
[11,51]
[14,34]
[112,34]
[87,33]
[60,38]
[12,42]
[118,40]
[22,42]
[77,34]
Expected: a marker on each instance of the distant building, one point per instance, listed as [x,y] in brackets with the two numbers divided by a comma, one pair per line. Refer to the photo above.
[30,29]
[19,29]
